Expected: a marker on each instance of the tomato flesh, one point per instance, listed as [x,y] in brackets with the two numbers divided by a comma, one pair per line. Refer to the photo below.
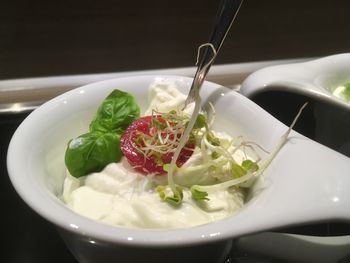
[148,164]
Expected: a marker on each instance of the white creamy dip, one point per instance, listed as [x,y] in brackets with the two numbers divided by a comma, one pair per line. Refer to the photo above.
[120,196]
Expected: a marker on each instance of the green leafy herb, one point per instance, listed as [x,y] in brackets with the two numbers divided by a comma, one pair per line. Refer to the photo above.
[166,167]
[199,195]
[346,91]
[247,164]
[213,139]
[240,170]
[201,121]
[91,152]
[175,199]
[115,113]
[157,124]
[215,155]
[237,170]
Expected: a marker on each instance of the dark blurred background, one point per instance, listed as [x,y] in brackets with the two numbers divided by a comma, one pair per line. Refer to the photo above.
[42,38]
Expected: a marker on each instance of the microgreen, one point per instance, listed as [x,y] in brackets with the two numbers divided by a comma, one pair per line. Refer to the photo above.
[247,170]
[199,195]
[165,130]
[175,199]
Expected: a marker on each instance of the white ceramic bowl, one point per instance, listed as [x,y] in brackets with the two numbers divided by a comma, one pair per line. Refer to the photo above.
[316,80]
[307,182]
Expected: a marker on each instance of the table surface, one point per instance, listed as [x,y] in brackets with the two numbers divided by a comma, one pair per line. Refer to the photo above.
[42,38]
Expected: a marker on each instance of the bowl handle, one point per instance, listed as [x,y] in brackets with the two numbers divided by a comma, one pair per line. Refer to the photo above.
[321,177]
[307,183]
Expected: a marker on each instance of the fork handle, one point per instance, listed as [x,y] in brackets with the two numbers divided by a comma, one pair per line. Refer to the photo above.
[225,16]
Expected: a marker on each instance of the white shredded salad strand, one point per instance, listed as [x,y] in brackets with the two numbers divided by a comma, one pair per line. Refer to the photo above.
[120,196]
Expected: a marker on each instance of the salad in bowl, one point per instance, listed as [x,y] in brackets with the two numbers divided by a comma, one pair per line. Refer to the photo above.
[120,172]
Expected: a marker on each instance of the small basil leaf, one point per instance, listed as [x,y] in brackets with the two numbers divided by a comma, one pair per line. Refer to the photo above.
[115,113]
[91,152]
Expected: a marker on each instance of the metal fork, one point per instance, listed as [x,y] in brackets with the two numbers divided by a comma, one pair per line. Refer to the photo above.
[225,16]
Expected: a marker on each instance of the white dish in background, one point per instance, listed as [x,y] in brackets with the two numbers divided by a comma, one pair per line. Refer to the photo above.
[316,79]
[307,182]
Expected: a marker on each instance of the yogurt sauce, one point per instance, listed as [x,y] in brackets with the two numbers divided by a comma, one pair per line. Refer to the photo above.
[122,197]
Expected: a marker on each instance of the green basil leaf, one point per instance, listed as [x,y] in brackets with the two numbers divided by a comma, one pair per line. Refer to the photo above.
[115,113]
[91,152]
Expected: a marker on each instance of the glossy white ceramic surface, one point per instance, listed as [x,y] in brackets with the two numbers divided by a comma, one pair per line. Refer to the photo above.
[306,182]
[316,78]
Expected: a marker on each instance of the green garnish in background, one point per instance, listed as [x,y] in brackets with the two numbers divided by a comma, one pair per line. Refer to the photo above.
[346,91]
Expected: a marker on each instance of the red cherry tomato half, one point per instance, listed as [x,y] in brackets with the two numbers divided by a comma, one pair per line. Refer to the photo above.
[140,162]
